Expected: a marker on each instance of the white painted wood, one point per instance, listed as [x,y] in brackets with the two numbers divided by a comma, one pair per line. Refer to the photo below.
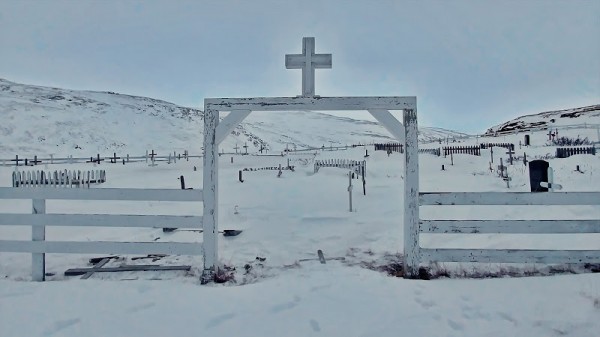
[311,103]
[411,195]
[509,198]
[308,61]
[211,193]
[38,234]
[101,220]
[510,226]
[102,247]
[130,194]
[510,256]
[388,121]
[229,123]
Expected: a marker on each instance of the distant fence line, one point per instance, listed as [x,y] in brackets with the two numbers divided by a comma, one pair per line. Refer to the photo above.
[66,178]
[96,159]
[564,152]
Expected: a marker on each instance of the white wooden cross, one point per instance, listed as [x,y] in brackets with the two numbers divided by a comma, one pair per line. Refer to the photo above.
[308,61]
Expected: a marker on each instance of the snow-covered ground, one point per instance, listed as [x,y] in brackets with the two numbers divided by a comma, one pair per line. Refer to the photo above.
[278,287]
[286,220]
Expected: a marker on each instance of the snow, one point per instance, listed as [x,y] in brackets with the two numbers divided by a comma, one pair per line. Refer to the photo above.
[285,221]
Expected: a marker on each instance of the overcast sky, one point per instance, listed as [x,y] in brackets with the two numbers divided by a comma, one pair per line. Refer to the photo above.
[471,64]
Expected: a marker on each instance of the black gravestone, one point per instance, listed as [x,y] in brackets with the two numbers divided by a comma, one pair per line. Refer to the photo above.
[527,140]
[538,172]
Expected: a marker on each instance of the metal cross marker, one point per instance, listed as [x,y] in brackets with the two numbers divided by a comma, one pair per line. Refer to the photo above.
[308,61]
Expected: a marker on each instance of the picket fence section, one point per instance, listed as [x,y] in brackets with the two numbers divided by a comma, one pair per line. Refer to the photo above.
[390,147]
[508,227]
[66,178]
[473,150]
[509,146]
[435,152]
[39,219]
[359,167]
[565,152]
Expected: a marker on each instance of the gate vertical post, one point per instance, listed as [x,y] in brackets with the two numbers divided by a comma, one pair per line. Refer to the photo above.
[38,233]
[211,197]
[411,195]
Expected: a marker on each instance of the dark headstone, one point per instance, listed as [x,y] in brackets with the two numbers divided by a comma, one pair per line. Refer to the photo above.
[527,140]
[538,172]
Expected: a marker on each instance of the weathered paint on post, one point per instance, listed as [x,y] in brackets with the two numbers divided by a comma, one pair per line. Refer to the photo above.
[211,194]
[38,233]
[411,195]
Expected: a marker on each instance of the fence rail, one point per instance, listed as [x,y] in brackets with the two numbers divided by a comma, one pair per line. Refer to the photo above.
[507,227]
[38,246]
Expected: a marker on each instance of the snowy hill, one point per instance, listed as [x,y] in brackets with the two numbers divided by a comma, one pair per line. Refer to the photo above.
[541,121]
[43,120]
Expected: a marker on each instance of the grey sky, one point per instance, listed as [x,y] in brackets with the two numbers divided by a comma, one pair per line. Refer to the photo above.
[471,64]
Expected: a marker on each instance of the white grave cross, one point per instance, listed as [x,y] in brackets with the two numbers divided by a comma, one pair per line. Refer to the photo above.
[308,61]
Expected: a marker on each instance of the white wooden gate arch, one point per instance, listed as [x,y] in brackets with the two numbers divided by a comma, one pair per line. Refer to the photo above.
[239,108]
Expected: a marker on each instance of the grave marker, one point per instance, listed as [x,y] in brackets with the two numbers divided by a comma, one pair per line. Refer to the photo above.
[538,172]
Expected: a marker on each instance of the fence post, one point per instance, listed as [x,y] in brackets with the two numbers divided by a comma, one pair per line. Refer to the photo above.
[38,233]
[411,195]
[211,196]
[350,189]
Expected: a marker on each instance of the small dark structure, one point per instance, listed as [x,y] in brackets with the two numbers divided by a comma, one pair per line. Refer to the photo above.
[538,172]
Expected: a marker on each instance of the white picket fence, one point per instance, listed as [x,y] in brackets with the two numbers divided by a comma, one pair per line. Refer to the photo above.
[507,227]
[39,219]
[66,178]
[357,166]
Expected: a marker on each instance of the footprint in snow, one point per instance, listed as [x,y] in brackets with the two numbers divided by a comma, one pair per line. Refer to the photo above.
[455,325]
[286,306]
[219,320]
[141,307]
[61,325]
[315,325]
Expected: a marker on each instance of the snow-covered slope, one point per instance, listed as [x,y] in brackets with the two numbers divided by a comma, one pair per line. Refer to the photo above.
[560,118]
[41,120]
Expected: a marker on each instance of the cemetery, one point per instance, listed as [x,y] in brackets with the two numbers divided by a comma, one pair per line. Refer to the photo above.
[519,212]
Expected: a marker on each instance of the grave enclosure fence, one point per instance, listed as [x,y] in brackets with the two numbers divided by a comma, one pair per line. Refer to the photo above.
[435,152]
[472,150]
[565,152]
[66,178]
[359,167]
[509,146]
[390,147]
